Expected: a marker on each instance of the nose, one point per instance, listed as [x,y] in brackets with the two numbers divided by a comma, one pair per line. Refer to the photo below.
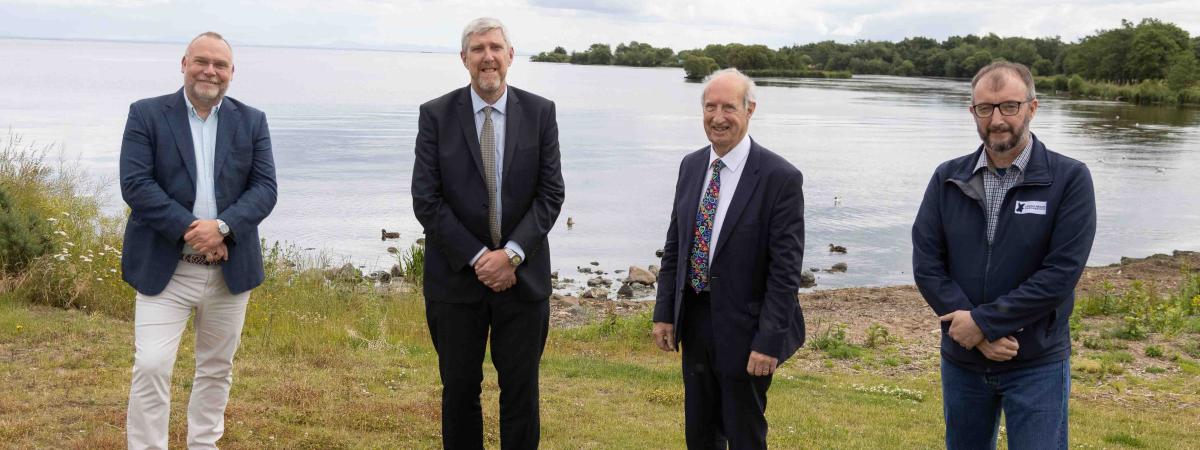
[996,118]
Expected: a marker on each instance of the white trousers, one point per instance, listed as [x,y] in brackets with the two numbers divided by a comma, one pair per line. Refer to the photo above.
[159,321]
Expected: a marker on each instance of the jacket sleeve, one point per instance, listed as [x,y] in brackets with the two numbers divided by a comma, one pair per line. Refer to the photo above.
[429,205]
[140,189]
[533,227]
[1053,282]
[664,303]
[260,195]
[785,251]
[941,292]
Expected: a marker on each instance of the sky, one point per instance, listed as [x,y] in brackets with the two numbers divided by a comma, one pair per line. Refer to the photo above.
[539,25]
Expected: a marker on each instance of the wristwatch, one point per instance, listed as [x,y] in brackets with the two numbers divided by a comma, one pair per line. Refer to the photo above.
[223,227]
[513,257]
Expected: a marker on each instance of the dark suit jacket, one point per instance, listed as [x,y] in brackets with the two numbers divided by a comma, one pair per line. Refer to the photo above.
[158,173]
[451,202]
[755,269]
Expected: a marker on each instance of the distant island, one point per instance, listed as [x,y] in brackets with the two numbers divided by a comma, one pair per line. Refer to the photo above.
[1145,63]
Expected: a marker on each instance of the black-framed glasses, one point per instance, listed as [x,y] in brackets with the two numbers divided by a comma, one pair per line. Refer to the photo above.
[985,110]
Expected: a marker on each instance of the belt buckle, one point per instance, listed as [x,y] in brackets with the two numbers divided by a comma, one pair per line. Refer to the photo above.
[196,259]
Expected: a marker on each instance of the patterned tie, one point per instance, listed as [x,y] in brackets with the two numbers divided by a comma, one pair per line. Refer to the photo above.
[487,149]
[698,273]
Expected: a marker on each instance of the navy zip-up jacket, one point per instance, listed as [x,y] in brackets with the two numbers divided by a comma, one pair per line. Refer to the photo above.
[1023,283]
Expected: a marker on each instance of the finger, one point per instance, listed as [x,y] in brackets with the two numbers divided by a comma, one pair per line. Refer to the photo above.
[949,316]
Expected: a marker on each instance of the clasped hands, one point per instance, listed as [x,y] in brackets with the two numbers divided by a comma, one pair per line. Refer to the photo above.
[758,365]
[205,237]
[495,271]
[966,333]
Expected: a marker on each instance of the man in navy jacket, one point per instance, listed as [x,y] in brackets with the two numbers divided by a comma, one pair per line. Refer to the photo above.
[198,175]
[730,272]
[999,243]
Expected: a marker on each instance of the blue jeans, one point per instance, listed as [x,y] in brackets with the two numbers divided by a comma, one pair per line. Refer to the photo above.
[1034,401]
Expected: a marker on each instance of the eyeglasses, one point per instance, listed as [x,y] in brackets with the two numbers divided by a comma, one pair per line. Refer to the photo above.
[984,110]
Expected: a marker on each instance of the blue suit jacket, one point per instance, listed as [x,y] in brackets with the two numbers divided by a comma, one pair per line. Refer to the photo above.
[755,269]
[158,173]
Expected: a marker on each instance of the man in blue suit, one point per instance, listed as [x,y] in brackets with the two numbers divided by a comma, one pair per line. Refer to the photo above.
[198,175]
[730,271]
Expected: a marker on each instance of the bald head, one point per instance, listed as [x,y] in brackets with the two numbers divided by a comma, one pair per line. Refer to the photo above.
[735,78]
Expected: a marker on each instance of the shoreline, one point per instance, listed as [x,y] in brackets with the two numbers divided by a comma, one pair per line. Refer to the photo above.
[1160,270]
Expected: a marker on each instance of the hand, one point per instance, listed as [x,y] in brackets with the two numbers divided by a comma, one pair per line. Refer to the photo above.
[1002,349]
[963,329]
[494,270]
[504,282]
[664,336]
[221,253]
[761,365]
[203,236]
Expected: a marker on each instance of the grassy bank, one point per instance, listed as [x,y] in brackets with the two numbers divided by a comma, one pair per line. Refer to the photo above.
[336,366]
[338,362]
[1143,93]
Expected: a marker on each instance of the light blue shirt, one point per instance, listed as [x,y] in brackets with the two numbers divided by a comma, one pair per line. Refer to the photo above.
[204,142]
[498,123]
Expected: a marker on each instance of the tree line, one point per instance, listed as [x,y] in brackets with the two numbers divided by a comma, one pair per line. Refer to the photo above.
[1126,55]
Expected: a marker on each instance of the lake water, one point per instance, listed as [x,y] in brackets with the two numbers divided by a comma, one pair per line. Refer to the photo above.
[343,125]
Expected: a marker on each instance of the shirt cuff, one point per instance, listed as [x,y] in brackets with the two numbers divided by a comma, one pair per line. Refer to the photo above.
[516,248]
[478,255]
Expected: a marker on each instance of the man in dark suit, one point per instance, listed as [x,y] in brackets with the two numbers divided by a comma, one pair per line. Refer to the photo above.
[198,175]
[730,272]
[487,188]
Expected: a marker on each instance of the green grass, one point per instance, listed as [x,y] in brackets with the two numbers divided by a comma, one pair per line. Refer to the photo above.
[317,386]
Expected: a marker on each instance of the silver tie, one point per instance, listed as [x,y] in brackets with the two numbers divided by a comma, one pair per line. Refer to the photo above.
[487,148]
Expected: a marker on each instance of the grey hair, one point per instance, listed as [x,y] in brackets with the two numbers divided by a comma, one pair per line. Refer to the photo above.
[209,34]
[747,84]
[994,72]
[484,25]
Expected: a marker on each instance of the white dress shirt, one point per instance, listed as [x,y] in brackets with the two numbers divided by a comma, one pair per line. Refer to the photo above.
[730,175]
[498,122]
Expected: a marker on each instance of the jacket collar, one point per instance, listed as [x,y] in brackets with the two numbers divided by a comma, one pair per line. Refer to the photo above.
[1037,171]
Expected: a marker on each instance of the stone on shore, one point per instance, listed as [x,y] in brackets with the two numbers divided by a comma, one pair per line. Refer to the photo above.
[599,293]
[599,281]
[839,267]
[807,279]
[640,276]
[625,291]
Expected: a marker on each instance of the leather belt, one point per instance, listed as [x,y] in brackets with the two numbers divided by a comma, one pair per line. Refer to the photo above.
[197,259]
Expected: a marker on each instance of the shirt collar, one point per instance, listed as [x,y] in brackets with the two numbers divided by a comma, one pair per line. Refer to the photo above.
[1020,163]
[477,102]
[192,108]
[736,156]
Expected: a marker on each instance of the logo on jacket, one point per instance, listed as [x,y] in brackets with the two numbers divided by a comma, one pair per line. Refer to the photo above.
[1031,207]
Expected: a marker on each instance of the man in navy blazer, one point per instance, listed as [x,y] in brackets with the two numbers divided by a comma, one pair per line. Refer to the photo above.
[198,176]
[730,272]
[487,188]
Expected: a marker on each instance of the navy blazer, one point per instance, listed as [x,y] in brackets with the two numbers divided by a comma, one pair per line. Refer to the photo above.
[450,198]
[756,265]
[158,173]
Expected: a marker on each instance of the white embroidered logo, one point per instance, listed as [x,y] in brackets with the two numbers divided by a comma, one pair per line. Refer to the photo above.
[1031,207]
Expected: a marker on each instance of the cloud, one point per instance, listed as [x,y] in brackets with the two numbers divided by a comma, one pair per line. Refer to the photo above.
[538,25]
